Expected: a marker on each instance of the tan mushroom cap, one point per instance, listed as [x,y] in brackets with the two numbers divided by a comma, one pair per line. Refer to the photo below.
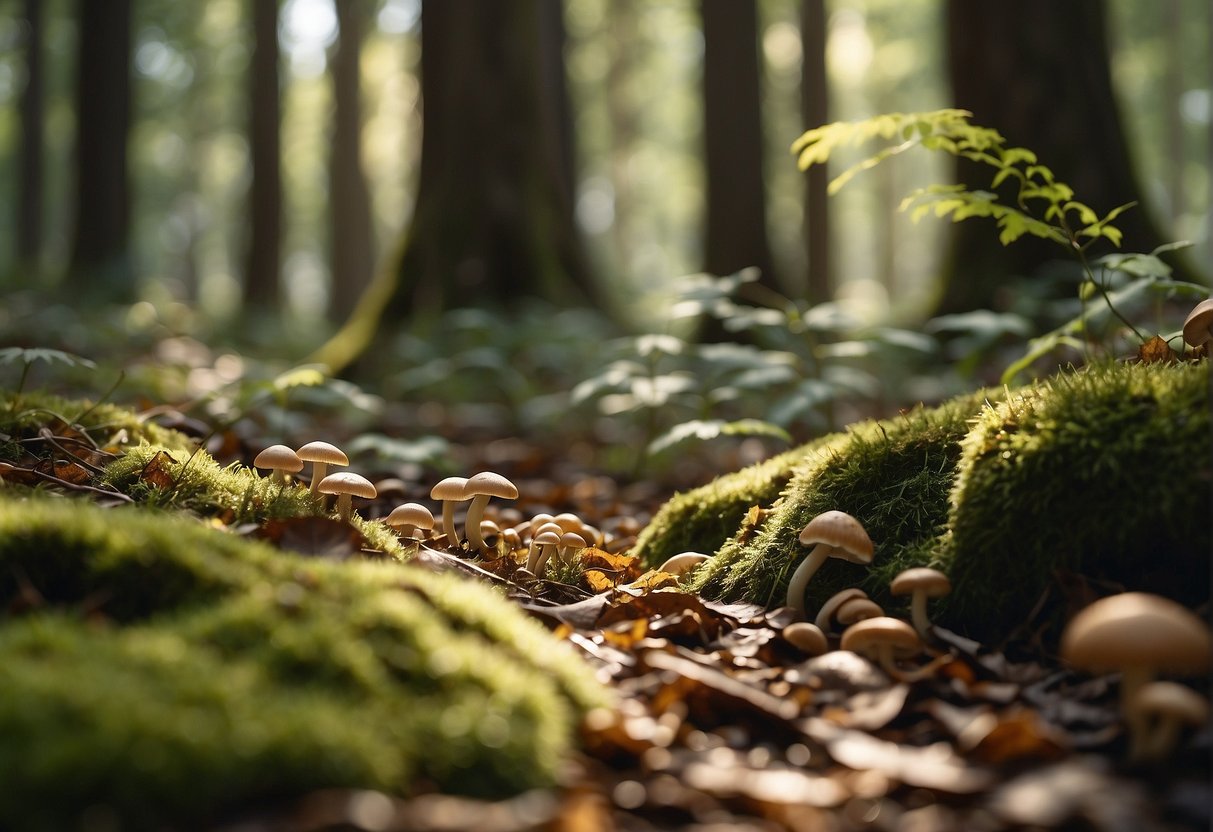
[450,488]
[410,514]
[1137,629]
[858,609]
[1198,326]
[547,538]
[826,614]
[490,484]
[279,458]
[682,563]
[930,582]
[347,482]
[322,452]
[572,541]
[866,637]
[806,637]
[842,533]
[1174,700]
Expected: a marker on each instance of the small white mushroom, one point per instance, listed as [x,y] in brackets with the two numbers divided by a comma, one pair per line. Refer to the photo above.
[409,518]
[883,640]
[545,543]
[834,534]
[1162,708]
[480,488]
[321,455]
[923,582]
[826,615]
[682,563]
[450,492]
[347,485]
[281,460]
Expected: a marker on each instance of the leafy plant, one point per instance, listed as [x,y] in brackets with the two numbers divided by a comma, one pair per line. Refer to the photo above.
[1042,206]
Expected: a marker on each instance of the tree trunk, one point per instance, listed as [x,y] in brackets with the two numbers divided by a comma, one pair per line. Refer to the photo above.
[814,106]
[352,244]
[262,281]
[494,212]
[100,262]
[29,210]
[1037,71]
[736,232]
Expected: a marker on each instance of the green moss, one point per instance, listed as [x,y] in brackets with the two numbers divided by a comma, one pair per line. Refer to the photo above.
[1103,472]
[893,475]
[110,424]
[702,519]
[254,673]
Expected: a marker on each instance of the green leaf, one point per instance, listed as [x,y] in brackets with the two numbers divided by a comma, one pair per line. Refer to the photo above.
[703,430]
[305,375]
[9,355]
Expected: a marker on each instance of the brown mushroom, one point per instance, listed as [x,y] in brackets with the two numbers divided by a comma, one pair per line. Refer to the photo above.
[409,518]
[883,640]
[856,610]
[1163,707]
[480,488]
[321,455]
[834,534]
[921,583]
[450,492]
[1198,326]
[806,637]
[347,485]
[825,616]
[281,460]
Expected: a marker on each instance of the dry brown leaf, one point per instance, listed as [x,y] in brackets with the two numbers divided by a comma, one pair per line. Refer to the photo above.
[1155,351]
[156,473]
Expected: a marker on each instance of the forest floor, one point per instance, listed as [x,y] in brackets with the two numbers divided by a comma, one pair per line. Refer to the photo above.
[723,723]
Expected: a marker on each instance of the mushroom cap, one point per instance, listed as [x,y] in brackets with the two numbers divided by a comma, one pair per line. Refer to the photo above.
[572,540]
[547,527]
[826,614]
[806,637]
[279,458]
[490,484]
[411,514]
[347,482]
[1174,700]
[1199,323]
[1137,629]
[682,563]
[931,582]
[568,521]
[858,609]
[547,539]
[450,488]
[322,452]
[865,636]
[844,535]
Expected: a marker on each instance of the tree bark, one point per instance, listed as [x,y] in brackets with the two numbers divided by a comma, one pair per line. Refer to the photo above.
[262,281]
[815,107]
[29,211]
[494,211]
[352,244]
[100,262]
[736,229]
[1037,71]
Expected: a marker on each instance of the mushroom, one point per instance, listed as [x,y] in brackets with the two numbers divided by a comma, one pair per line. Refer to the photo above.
[825,615]
[321,455]
[924,583]
[856,610]
[347,485]
[1140,635]
[1198,326]
[281,459]
[807,638]
[570,544]
[1171,704]
[682,563]
[532,558]
[480,488]
[883,640]
[449,491]
[545,543]
[408,518]
[836,535]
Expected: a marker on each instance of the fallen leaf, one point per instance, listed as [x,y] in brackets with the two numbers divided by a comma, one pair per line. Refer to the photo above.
[1156,351]
[320,537]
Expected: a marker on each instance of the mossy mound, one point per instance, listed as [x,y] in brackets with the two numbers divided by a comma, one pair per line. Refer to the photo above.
[1005,491]
[157,672]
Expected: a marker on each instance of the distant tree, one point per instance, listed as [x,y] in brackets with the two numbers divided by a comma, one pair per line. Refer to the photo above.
[351,244]
[262,281]
[1037,71]
[100,262]
[736,229]
[493,218]
[814,107]
[32,107]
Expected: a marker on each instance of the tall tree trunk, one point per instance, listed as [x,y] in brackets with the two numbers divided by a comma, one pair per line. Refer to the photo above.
[736,232]
[815,108]
[100,262]
[1037,71]
[262,281]
[29,210]
[494,216]
[352,244]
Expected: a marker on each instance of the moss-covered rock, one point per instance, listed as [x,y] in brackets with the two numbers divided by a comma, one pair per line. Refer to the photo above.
[159,672]
[1103,472]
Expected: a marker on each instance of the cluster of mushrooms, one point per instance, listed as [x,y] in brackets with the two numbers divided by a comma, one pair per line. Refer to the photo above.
[1137,634]
[561,535]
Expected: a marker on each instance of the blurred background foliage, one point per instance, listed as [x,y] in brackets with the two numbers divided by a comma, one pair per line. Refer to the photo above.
[634,73]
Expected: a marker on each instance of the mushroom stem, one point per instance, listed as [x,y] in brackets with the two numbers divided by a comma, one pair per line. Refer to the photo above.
[800,578]
[345,505]
[448,523]
[1132,680]
[471,525]
[543,553]
[918,614]
[319,470]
